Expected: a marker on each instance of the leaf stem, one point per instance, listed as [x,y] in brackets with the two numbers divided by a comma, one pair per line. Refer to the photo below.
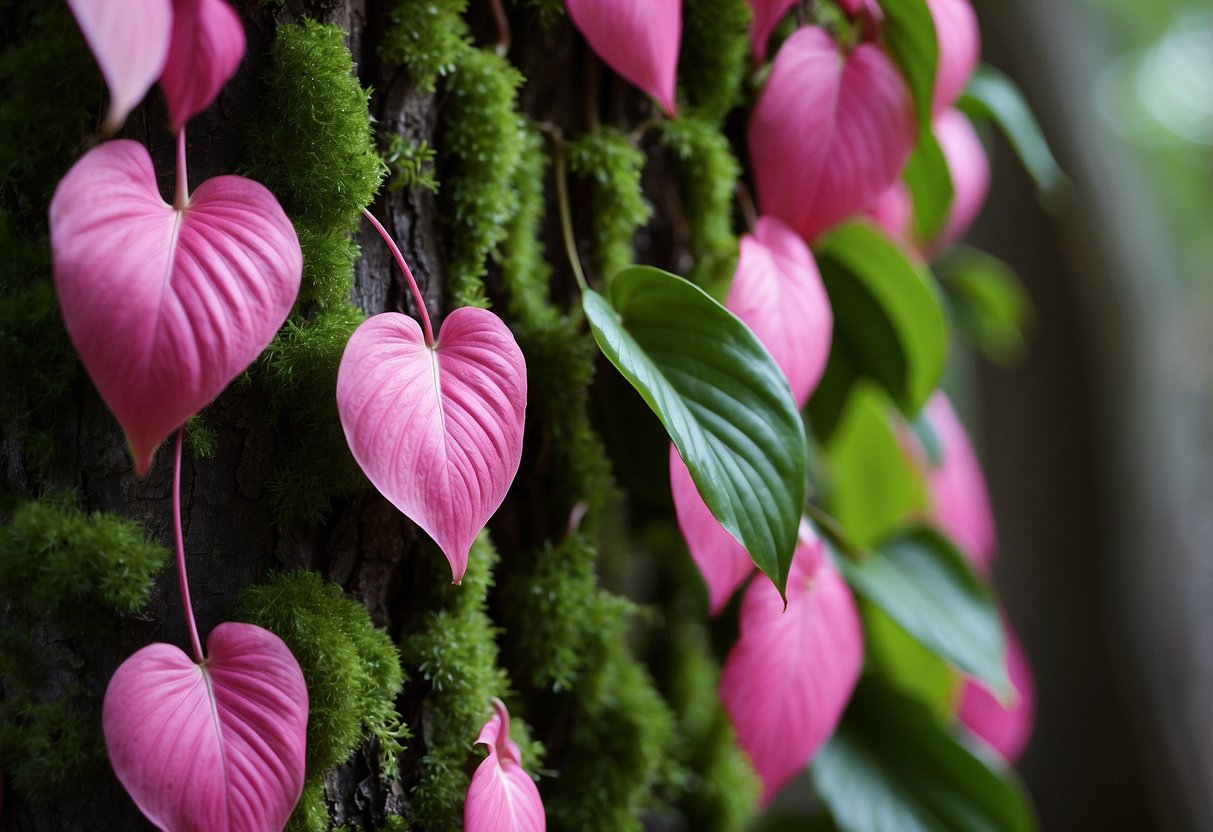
[408,275]
[187,607]
[566,216]
[182,197]
[503,27]
[746,202]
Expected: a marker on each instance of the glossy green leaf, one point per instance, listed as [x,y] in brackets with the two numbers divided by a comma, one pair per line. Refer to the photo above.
[892,767]
[905,664]
[909,35]
[930,183]
[888,318]
[722,399]
[921,581]
[989,302]
[992,95]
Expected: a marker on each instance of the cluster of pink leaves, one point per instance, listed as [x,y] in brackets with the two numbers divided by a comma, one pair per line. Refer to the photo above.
[166,304]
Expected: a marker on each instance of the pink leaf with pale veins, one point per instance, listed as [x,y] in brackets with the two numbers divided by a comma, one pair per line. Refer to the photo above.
[166,306]
[502,797]
[216,747]
[1004,727]
[130,41]
[959,48]
[778,293]
[830,132]
[438,430]
[207,45]
[639,39]
[970,171]
[789,677]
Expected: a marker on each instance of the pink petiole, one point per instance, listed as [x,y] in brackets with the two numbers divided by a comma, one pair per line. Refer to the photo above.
[187,607]
[404,267]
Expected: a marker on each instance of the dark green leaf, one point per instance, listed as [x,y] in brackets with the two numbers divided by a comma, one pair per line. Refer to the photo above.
[887,314]
[722,399]
[909,35]
[924,583]
[992,95]
[930,183]
[989,302]
[892,767]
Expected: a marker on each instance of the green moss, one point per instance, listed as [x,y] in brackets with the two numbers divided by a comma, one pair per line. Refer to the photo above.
[426,37]
[311,812]
[411,164]
[707,175]
[481,142]
[200,439]
[525,271]
[351,667]
[609,159]
[50,748]
[715,55]
[548,10]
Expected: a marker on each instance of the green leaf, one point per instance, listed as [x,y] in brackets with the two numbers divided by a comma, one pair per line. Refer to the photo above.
[888,318]
[906,665]
[992,95]
[930,183]
[921,581]
[909,35]
[892,767]
[989,302]
[722,399]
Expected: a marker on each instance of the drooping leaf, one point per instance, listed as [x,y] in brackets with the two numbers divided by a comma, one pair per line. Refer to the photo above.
[887,313]
[1004,726]
[767,14]
[787,679]
[909,35]
[502,797]
[959,41]
[166,306]
[215,746]
[830,132]
[989,302]
[892,767]
[639,39]
[130,41]
[929,184]
[438,430]
[722,399]
[902,662]
[992,95]
[777,292]
[968,170]
[207,45]
[922,582]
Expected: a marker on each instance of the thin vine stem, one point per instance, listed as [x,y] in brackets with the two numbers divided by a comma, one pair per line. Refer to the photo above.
[187,606]
[746,201]
[502,23]
[408,275]
[566,216]
[182,197]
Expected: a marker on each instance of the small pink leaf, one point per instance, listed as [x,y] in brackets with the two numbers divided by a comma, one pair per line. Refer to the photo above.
[893,211]
[207,45]
[438,430]
[959,48]
[218,746]
[788,678]
[778,293]
[767,14]
[970,171]
[130,41]
[165,307]
[1004,727]
[830,132]
[502,797]
[639,39]
[722,561]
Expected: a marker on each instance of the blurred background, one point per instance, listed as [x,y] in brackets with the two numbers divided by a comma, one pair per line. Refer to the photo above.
[1102,473]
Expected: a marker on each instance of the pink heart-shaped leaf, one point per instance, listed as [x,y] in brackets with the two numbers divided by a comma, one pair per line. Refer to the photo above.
[130,41]
[969,169]
[959,48]
[1004,727]
[438,430]
[166,306]
[502,797]
[639,39]
[767,14]
[207,45]
[217,746]
[830,132]
[788,678]
[778,293]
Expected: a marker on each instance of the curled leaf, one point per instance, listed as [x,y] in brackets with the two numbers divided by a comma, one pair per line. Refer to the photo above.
[207,45]
[166,306]
[970,172]
[438,430]
[1004,726]
[639,39]
[502,797]
[217,746]
[959,48]
[767,14]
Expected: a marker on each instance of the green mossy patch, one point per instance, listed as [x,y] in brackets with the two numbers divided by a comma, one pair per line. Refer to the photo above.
[608,157]
[715,55]
[427,37]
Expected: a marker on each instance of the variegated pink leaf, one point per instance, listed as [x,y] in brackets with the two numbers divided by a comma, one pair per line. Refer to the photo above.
[970,171]
[959,48]
[502,797]
[130,41]
[438,430]
[893,211]
[830,132]
[207,45]
[790,675]
[722,561]
[639,39]
[1004,727]
[778,293]
[211,747]
[166,306]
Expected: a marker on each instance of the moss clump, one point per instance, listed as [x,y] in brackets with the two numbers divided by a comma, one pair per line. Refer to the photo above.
[608,158]
[311,812]
[714,57]
[426,37]
[707,175]
[479,149]
[411,163]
